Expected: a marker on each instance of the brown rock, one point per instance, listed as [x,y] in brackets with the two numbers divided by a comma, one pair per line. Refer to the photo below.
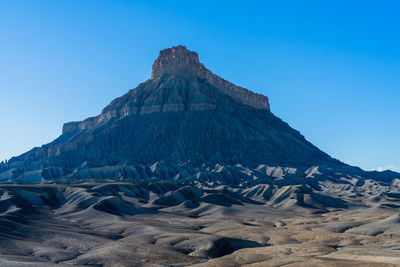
[180,61]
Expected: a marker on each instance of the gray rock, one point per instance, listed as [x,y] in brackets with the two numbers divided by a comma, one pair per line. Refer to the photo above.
[187,124]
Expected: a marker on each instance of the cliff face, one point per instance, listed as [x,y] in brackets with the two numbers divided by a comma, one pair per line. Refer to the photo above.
[177,60]
[175,85]
[184,114]
[180,61]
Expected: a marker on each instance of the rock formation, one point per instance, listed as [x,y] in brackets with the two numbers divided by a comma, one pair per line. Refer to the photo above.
[184,114]
[182,62]
[188,168]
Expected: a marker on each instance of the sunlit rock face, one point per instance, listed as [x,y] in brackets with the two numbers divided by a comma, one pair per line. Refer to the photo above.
[183,115]
[179,83]
[177,60]
[182,62]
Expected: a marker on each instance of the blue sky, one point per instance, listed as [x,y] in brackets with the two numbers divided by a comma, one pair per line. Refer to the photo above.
[330,68]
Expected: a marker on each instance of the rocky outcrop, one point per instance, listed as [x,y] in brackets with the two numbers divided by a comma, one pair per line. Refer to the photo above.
[179,82]
[177,61]
[180,61]
[183,115]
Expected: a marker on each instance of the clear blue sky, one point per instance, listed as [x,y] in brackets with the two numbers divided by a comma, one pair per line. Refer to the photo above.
[330,68]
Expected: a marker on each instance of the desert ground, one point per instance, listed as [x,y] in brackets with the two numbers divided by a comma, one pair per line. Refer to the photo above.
[111,225]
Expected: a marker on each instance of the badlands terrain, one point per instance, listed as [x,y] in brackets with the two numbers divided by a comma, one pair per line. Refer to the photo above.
[122,224]
[188,169]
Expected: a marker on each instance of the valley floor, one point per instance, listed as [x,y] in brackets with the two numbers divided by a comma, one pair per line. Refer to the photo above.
[39,231]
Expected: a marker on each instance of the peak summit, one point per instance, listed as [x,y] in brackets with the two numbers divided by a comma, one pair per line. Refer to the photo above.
[177,60]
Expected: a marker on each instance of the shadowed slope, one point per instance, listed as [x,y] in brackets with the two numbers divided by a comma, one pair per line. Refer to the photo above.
[183,115]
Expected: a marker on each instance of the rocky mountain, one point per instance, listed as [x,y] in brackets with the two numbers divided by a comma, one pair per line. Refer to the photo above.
[183,116]
[185,169]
